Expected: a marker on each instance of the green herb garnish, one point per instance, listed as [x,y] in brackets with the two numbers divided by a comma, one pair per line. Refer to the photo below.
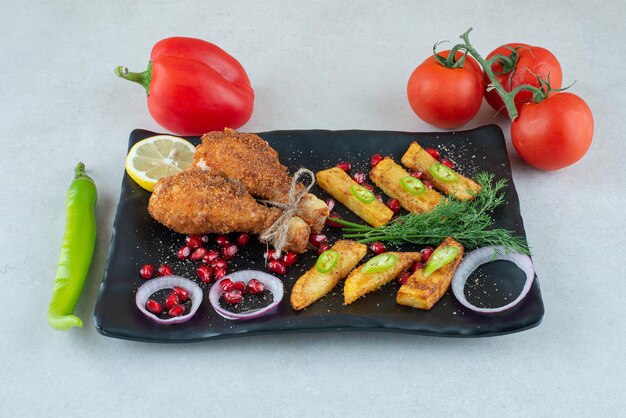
[467,221]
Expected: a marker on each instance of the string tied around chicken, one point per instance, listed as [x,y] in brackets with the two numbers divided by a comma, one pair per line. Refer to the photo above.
[277,232]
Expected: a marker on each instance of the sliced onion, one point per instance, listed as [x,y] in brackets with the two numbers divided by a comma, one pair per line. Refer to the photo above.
[167,282]
[271,283]
[478,257]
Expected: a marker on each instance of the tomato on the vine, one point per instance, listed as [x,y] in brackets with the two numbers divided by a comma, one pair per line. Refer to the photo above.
[446,97]
[530,62]
[553,133]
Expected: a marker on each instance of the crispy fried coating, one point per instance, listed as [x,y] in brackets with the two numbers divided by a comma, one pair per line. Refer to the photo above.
[197,202]
[251,161]
[246,158]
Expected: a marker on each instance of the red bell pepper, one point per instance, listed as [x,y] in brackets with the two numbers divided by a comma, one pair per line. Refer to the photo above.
[194,87]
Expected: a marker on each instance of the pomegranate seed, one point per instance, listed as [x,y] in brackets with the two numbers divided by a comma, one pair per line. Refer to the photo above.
[331,204]
[234,296]
[290,258]
[241,286]
[227,285]
[243,239]
[204,238]
[416,266]
[434,153]
[378,248]
[210,256]
[427,184]
[359,177]
[222,240]
[255,287]
[219,263]
[194,241]
[230,251]
[276,266]
[171,300]
[146,271]
[404,276]
[204,272]
[394,205]
[375,159]
[177,310]
[417,174]
[345,166]
[219,273]
[271,254]
[165,270]
[368,186]
[379,197]
[317,239]
[426,252]
[323,247]
[154,306]
[447,163]
[198,253]
[184,252]
[334,224]
[182,294]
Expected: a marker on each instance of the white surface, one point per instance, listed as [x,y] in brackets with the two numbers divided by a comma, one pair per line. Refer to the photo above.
[333,65]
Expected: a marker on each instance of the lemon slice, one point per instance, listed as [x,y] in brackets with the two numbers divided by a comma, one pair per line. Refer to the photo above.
[156,157]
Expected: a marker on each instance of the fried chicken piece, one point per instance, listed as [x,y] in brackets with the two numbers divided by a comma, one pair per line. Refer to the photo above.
[197,202]
[250,160]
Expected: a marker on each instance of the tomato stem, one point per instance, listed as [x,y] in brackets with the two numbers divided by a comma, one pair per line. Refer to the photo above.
[142,78]
[450,61]
[508,63]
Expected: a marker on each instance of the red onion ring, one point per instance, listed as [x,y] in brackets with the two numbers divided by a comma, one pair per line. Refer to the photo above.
[272,283]
[166,282]
[478,257]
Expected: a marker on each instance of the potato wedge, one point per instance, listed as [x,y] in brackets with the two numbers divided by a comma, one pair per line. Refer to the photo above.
[338,184]
[423,292]
[388,175]
[359,283]
[313,285]
[417,159]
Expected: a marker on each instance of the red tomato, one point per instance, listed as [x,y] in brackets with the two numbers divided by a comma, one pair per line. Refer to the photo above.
[446,97]
[532,61]
[553,133]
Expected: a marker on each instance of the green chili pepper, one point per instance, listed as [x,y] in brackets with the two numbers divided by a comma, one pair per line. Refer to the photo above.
[443,172]
[327,260]
[413,185]
[76,251]
[440,258]
[362,194]
[380,263]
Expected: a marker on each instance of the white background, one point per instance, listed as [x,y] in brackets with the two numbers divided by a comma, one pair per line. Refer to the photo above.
[320,64]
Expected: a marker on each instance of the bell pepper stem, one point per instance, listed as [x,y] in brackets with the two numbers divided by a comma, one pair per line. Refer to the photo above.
[142,78]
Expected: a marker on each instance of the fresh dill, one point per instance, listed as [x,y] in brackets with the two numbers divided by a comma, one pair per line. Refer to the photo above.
[467,221]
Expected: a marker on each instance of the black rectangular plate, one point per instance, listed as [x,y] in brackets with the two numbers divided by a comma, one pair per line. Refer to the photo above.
[138,239]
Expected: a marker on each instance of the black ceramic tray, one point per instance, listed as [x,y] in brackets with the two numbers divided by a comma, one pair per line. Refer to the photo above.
[137,239]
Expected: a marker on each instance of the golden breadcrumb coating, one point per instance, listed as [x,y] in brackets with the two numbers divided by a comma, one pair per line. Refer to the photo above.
[250,160]
[196,202]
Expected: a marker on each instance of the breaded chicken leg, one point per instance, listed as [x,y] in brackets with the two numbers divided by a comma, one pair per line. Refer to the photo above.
[250,160]
[197,202]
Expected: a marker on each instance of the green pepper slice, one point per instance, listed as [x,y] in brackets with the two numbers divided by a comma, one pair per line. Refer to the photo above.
[413,185]
[362,194]
[440,258]
[443,172]
[380,263]
[326,261]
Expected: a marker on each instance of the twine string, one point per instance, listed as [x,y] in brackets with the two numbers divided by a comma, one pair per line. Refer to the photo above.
[277,232]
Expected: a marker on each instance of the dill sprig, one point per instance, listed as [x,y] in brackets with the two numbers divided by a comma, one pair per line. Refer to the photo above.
[469,222]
